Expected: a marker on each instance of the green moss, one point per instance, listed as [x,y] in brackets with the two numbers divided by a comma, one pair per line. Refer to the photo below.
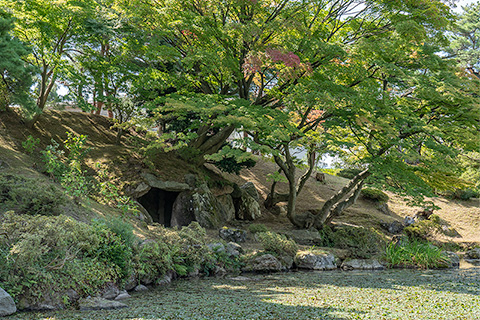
[424,229]
[374,195]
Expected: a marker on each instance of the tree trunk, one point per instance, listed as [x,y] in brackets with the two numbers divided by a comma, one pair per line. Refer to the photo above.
[333,205]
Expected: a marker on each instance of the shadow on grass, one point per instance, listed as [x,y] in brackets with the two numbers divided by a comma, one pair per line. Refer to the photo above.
[296,295]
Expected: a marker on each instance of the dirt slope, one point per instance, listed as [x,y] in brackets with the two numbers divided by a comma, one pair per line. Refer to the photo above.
[463,216]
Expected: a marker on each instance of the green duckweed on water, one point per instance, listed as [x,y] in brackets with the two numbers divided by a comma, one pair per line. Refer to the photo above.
[336,295]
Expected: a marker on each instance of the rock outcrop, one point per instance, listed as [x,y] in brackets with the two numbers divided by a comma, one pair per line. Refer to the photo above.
[315,260]
[7,305]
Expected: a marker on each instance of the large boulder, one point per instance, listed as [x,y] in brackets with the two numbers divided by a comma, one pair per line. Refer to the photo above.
[394,227]
[7,305]
[233,235]
[453,259]
[249,208]
[199,205]
[154,182]
[245,199]
[264,263]
[362,264]
[110,291]
[473,254]
[315,260]
[98,303]
[226,201]
[249,188]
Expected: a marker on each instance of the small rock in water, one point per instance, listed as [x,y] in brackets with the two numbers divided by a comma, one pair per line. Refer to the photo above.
[100,304]
[362,264]
[140,288]
[122,296]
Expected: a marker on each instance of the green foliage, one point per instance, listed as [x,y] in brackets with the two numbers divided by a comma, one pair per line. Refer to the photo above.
[374,195]
[152,259]
[181,250]
[52,157]
[42,256]
[109,193]
[232,160]
[257,228]
[424,229]
[29,196]
[414,253]
[16,76]
[348,173]
[277,244]
[120,253]
[67,169]
[361,242]
[30,144]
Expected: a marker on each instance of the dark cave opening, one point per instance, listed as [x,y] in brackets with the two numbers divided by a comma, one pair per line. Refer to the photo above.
[159,204]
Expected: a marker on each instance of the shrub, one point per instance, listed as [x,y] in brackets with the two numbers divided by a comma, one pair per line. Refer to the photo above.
[257,228]
[152,259]
[348,173]
[465,194]
[361,242]
[277,244]
[374,195]
[30,144]
[119,253]
[29,195]
[415,253]
[424,229]
[42,257]
[230,164]
[183,250]
[67,169]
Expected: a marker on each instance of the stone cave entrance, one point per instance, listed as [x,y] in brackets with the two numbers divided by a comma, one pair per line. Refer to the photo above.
[159,204]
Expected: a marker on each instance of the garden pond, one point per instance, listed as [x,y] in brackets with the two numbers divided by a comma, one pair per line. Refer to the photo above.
[332,295]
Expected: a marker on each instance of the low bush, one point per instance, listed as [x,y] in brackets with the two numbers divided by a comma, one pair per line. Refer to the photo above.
[183,250]
[374,195]
[29,195]
[30,144]
[42,257]
[414,253]
[257,228]
[348,173]
[465,194]
[277,244]
[361,242]
[424,229]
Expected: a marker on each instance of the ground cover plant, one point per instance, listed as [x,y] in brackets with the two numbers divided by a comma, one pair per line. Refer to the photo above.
[389,295]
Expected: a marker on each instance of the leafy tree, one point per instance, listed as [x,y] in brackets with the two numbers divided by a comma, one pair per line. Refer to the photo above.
[16,75]
[319,75]
[48,27]
[465,45]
